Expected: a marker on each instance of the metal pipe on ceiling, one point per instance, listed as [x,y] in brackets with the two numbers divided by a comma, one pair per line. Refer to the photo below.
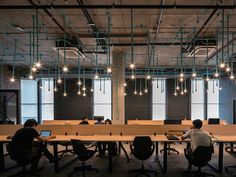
[113,6]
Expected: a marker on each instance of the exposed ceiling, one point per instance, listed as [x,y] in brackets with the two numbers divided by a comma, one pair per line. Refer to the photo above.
[157,30]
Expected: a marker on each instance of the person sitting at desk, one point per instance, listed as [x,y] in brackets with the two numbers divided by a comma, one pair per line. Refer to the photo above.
[25,136]
[198,138]
[84,121]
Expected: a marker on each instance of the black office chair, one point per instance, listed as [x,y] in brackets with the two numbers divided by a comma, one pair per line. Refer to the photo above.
[232,152]
[19,154]
[142,148]
[66,150]
[199,158]
[83,154]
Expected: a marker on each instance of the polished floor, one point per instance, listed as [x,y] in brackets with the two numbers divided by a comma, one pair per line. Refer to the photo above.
[176,165]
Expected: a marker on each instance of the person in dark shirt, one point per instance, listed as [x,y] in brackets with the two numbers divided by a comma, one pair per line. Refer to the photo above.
[25,136]
[84,120]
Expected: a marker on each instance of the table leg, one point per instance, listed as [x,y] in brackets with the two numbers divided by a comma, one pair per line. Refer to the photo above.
[157,148]
[55,151]
[2,161]
[126,154]
[220,158]
[110,154]
[165,158]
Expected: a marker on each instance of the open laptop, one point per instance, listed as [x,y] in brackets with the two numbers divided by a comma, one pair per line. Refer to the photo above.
[45,133]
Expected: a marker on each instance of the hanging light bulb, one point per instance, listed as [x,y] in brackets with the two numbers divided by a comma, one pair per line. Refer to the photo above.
[55,89]
[31,76]
[222,65]
[65,94]
[175,94]
[216,74]
[125,94]
[59,81]
[109,70]
[12,79]
[231,77]
[84,88]
[227,69]
[34,69]
[194,74]
[177,88]
[220,88]
[132,66]
[148,77]
[84,94]
[207,78]
[96,76]
[79,92]
[125,84]
[185,90]
[146,90]
[65,69]
[132,76]
[140,93]
[79,82]
[181,75]
[38,64]
[91,90]
[181,92]
[181,79]
[135,92]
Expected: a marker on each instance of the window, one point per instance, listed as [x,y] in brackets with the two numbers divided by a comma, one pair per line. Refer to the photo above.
[213,98]
[47,99]
[159,99]
[197,99]
[29,101]
[102,98]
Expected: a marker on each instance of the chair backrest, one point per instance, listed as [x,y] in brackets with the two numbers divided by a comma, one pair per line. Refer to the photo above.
[202,155]
[78,147]
[142,147]
[18,153]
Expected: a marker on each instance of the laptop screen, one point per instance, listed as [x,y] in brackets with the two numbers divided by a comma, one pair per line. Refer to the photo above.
[45,133]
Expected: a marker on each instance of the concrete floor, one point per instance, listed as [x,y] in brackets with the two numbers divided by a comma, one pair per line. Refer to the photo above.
[176,165]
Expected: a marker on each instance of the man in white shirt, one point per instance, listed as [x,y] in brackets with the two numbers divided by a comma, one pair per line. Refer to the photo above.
[198,138]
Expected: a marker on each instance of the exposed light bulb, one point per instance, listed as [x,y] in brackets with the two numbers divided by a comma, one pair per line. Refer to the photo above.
[222,65]
[125,94]
[96,76]
[175,94]
[31,76]
[181,75]
[12,79]
[133,77]
[84,88]
[227,69]
[34,69]
[55,89]
[125,84]
[181,79]
[64,94]
[207,79]
[148,77]
[181,92]
[231,77]
[216,75]
[135,92]
[59,81]
[220,88]
[79,82]
[177,88]
[146,90]
[194,74]
[91,90]
[38,64]
[132,66]
[79,92]
[65,69]
[140,93]
[84,94]
[109,70]
[185,90]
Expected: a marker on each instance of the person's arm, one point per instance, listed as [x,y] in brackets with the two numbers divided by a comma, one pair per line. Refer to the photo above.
[43,139]
[186,135]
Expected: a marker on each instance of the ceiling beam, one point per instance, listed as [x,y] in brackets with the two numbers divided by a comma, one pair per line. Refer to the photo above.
[113,6]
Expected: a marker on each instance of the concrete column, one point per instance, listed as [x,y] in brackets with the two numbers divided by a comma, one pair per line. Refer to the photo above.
[118,79]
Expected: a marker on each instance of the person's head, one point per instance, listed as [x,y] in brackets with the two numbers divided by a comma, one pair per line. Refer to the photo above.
[85,118]
[108,121]
[30,123]
[197,124]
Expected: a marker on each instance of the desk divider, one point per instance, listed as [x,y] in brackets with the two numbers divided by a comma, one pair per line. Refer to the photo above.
[66,122]
[120,129]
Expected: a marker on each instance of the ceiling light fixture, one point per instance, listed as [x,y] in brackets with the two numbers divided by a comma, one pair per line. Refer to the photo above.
[132,76]
[194,74]
[109,70]
[132,66]
[79,82]
[65,69]
[135,92]
[79,92]
[38,64]
[59,81]
[181,75]
[34,69]
[231,77]
[125,94]
[64,94]
[84,94]
[31,76]
[146,90]
[96,76]
[216,74]
[125,84]
[207,79]
[222,65]
[227,69]
[148,77]
[181,79]
[12,79]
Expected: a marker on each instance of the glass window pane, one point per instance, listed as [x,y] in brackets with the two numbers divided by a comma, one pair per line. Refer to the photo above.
[213,98]
[47,91]
[47,112]
[213,111]
[28,112]
[28,91]
[159,99]
[197,111]
[102,110]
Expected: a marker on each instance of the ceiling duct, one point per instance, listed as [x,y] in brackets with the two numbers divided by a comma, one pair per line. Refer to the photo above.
[71,49]
[201,48]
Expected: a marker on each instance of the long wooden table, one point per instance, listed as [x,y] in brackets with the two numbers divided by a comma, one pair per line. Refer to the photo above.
[123,138]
